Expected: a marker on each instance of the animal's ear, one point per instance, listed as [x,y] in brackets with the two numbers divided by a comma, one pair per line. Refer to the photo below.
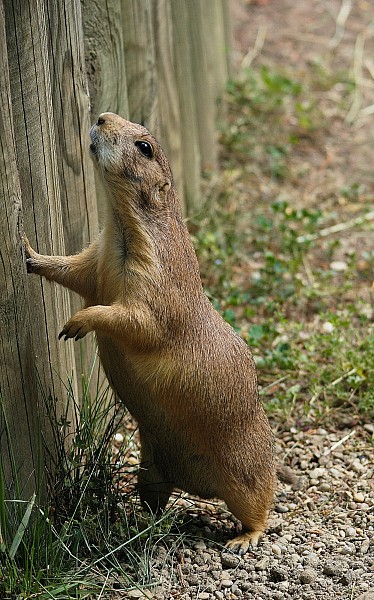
[162,192]
[158,195]
[164,187]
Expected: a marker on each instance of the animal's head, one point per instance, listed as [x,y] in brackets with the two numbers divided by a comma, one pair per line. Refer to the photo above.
[130,160]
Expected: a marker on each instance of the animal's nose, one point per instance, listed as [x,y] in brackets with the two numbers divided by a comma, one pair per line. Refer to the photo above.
[107,117]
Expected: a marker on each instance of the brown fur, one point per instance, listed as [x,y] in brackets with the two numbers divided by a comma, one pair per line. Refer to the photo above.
[182,371]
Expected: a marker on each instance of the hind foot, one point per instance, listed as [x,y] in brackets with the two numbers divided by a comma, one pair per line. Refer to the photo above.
[251,507]
[244,542]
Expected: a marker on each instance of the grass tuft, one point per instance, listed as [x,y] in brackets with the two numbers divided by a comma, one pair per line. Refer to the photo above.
[92,540]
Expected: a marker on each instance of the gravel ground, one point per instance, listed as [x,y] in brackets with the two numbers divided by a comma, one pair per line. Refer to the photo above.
[319,542]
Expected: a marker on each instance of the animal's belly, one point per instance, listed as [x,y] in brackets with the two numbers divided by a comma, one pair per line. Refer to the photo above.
[175,451]
[124,379]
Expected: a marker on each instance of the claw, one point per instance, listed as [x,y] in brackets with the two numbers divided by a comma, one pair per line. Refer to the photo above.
[69,333]
[246,542]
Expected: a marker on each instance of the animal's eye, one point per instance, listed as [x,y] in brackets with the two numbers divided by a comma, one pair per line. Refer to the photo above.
[145,148]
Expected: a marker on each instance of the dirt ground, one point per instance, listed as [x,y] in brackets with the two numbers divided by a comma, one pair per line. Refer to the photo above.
[338,35]
[320,541]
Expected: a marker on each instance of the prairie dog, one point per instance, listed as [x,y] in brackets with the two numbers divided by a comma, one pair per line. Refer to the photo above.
[181,370]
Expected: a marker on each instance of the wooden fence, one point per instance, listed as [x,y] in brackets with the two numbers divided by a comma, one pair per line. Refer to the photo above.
[163,63]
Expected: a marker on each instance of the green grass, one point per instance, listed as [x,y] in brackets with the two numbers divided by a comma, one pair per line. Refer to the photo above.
[309,330]
[93,539]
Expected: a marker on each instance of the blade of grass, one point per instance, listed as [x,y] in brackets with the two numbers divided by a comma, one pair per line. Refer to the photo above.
[22,528]
[2,512]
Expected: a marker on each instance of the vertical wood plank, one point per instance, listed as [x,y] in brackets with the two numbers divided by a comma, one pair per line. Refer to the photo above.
[168,125]
[45,110]
[34,132]
[71,117]
[71,123]
[105,65]
[104,53]
[140,61]
[186,90]
[21,394]
[200,24]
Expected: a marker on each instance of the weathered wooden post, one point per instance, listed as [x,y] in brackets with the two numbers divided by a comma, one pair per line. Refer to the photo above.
[47,191]
[159,62]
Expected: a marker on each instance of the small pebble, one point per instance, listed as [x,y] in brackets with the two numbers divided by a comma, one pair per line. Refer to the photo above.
[262,564]
[204,596]
[357,467]
[219,595]
[235,589]
[229,561]
[276,550]
[319,545]
[324,487]
[369,427]
[333,568]
[278,574]
[358,497]
[317,473]
[308,575]
[328,327]
[365,547]
[282,508]
[312,559]
[284,585]
[295,558]
[226,583]
[347,549]
[200,545]
[338,265]
[118,437]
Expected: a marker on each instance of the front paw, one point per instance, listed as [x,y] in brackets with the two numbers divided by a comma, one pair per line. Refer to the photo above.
[77,327]
[31,256]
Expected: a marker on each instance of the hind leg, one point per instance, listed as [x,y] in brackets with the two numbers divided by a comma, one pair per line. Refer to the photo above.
[251,507]
[153,490]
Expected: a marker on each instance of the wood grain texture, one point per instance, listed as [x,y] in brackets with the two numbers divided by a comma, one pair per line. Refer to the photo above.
[190,147]
[105,66]
[45,87]
[140,61]
[22,414]
[202,38]
[70,107]
[105,56]
[168,123]
[71,120]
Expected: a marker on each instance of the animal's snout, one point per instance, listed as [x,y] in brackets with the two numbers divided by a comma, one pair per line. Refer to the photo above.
[109,118]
